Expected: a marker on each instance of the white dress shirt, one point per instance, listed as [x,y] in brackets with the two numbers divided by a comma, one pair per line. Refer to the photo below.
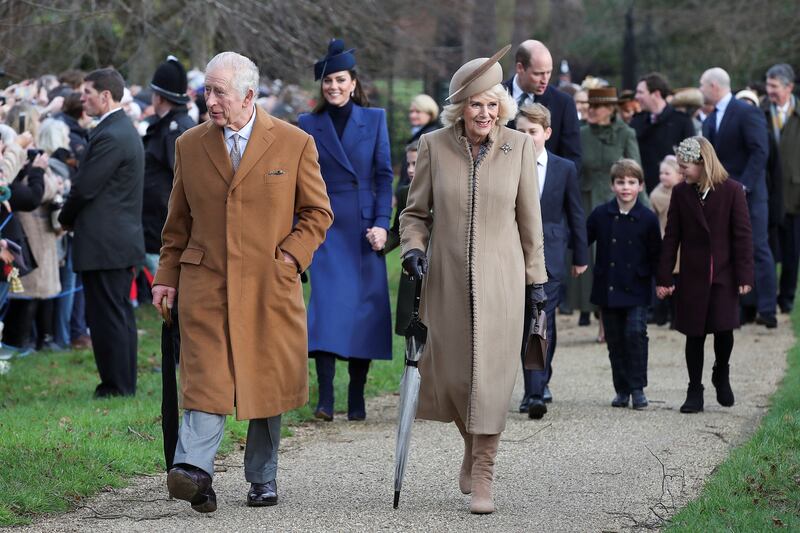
[541,170]
[244,134]
[102,118]
[516,91]
[721,106]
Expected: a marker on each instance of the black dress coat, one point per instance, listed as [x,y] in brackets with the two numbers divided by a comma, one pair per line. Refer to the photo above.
[716,257]
[104,206]
[406,287]
[159,160]
[657,139]
[565,141]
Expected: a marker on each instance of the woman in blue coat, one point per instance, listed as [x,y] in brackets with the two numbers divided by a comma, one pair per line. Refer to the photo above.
[349,315]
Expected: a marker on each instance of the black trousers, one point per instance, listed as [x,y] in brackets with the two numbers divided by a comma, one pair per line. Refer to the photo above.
[112,325]
[789,235]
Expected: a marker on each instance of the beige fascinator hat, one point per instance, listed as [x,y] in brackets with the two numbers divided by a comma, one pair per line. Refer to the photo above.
[477,76]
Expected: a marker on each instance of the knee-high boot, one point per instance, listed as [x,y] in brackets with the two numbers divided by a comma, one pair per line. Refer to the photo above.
[465,474]
[484,451]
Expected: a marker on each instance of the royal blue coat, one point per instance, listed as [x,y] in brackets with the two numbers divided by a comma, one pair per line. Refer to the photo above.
[349,313]
[627,254]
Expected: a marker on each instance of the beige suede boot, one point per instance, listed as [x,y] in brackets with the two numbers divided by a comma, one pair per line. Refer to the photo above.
[465,475]
[484,450]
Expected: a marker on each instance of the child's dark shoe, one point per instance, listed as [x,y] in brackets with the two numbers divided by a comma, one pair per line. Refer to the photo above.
[621,400]
[639,399]
[694,399]
[721,381]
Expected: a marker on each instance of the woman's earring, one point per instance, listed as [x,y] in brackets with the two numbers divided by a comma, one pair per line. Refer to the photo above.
[352,94]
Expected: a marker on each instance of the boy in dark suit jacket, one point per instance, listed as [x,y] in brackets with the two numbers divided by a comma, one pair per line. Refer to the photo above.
[628,243]
[563,225]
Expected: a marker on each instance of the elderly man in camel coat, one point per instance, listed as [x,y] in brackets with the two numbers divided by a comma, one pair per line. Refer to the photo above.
[247,211]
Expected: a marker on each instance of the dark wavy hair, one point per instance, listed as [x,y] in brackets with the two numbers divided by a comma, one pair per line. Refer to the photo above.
[359,96]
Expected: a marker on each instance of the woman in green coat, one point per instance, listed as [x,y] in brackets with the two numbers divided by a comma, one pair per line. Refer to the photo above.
[605,139]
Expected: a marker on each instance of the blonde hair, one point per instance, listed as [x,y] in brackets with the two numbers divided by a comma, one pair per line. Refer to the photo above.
[53,134]
[425,104]
[536,113]
[713,171]
[672,162]
[452,113]
[30,120]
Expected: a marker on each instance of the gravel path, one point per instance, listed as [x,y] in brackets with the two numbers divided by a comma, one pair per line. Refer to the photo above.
[584,467]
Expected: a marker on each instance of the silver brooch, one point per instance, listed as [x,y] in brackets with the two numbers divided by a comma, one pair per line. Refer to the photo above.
[505,148]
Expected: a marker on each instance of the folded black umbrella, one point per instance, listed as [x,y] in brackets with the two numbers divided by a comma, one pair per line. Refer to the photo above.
[170,350]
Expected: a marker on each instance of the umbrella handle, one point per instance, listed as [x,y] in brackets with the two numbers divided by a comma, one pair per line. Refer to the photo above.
[166,312]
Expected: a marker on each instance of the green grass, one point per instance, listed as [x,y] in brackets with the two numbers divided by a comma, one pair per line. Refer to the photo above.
[58,445]
[758,487]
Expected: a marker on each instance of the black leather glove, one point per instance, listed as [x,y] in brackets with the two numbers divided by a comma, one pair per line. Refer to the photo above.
[535,298]
[415,263]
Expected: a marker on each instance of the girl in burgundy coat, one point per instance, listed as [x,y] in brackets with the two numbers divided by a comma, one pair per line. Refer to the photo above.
[708,220]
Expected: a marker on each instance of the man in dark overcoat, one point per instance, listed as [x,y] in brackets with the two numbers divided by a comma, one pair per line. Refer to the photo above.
[169,101]
[738,132]
[104,209]
[659,127]
[783,122]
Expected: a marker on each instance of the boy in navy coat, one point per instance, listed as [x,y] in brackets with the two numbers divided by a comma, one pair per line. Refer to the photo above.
[628,243]
[563,225]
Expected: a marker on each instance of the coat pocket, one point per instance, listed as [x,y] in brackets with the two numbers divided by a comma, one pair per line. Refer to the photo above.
[192,256]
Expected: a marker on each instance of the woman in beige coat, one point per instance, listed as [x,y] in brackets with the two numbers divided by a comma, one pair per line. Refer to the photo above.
[473,214]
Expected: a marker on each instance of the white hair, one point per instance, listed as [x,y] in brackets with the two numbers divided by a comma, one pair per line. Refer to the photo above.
[7,134]
[717,76]
[245,72]
[508,107]
[53,134]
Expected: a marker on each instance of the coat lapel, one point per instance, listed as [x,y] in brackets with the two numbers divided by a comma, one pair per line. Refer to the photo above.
[353,130]
[214,143]
[549,183]
[326,136]
[257,145]
[694,205]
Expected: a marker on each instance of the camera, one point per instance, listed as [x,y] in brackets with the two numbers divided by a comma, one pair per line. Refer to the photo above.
[33,152]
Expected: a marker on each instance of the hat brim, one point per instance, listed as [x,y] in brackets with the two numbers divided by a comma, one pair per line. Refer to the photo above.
[603,100]
[172,97]
[480,71]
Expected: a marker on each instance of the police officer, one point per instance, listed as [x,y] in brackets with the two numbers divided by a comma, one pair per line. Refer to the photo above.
[171,119]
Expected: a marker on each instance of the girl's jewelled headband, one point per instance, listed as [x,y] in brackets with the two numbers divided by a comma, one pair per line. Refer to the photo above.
[689,151]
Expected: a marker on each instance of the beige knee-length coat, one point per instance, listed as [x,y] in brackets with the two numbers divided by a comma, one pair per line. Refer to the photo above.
[482,231]
[240,306]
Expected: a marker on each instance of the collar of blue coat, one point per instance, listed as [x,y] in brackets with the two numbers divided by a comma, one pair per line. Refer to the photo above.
[612,208]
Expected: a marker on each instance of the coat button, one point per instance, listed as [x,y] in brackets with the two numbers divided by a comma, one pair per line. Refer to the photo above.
[616,217]
[613,240]
[630,241]
[612,263]
[610,288]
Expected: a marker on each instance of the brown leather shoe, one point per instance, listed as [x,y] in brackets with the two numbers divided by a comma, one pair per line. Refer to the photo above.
[262,494]
[84,342]
[192,484]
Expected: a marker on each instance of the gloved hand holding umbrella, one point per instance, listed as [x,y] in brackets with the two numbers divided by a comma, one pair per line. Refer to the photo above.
[415,263]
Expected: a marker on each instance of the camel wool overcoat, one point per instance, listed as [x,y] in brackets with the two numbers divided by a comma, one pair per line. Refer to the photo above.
[242,316]
[482,231]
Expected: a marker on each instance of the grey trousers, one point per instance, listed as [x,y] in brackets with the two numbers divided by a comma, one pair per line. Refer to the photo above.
[201,433]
